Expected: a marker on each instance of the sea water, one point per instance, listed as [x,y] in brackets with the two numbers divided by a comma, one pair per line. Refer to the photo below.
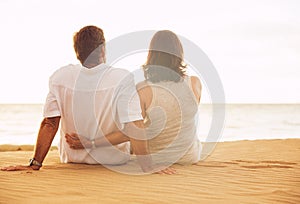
[19,124]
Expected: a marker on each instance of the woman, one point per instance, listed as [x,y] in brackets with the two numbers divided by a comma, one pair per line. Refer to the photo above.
[169,101]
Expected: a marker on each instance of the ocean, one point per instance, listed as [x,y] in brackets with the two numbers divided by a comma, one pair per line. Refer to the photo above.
[19,124]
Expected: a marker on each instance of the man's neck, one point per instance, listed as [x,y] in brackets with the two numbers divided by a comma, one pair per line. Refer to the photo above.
[91,65]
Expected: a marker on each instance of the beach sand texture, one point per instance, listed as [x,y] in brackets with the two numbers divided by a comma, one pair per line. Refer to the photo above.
[260,171]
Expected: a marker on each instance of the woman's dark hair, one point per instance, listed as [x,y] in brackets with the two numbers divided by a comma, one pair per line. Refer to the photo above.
[165,58]
[87,43]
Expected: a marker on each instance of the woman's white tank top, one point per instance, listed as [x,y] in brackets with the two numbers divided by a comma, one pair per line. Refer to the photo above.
[171,123]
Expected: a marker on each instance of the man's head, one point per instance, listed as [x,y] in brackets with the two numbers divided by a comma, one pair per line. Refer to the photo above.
[89,45]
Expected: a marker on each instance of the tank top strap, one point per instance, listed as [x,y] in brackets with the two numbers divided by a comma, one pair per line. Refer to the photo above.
[189,81]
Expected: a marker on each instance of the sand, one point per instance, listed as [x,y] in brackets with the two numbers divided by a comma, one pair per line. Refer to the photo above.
[261,171]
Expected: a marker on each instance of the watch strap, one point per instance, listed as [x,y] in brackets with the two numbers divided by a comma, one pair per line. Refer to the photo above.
[33,162]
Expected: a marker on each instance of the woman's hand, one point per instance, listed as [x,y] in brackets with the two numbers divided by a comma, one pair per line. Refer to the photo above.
[77,142]
[167,170]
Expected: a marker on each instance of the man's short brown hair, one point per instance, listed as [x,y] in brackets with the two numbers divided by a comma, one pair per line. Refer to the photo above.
[87,42]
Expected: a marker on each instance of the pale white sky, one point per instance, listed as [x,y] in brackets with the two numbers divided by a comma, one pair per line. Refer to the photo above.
[254,45]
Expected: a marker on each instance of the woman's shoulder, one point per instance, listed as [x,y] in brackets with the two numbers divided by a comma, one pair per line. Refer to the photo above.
[196,86]
[141,85]
[195,81]
[145,93]
[144,88]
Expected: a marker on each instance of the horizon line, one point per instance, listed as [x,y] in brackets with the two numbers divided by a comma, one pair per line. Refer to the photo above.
[230,103]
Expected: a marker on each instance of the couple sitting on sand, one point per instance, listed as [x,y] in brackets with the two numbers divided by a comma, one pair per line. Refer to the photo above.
[105,117]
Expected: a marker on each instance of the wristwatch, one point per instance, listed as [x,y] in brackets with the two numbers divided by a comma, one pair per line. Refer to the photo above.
[33,162]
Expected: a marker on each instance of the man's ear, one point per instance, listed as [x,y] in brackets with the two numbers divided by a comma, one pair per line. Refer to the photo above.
[102,51]
[103,54]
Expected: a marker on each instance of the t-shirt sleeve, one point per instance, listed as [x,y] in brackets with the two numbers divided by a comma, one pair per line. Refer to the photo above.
[128,101]
[51,108]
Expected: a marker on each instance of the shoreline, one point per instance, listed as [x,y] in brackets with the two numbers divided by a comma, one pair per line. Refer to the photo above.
[30,147]
[25,147]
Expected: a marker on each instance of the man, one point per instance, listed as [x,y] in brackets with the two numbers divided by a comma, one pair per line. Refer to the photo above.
[94,100]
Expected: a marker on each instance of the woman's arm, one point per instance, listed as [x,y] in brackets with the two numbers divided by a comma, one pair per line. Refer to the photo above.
[197,87]
[145,95]
[79,142]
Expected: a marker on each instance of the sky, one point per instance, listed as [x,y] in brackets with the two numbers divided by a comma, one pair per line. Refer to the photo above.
[254,45]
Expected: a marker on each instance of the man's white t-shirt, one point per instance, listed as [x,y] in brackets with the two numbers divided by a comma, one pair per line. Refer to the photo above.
[93,103]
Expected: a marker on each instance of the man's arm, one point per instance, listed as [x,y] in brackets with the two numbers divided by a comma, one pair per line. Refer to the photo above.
[138,144]
[76,141]
[136,132]
[48,129]
[133,132]
[46,135]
